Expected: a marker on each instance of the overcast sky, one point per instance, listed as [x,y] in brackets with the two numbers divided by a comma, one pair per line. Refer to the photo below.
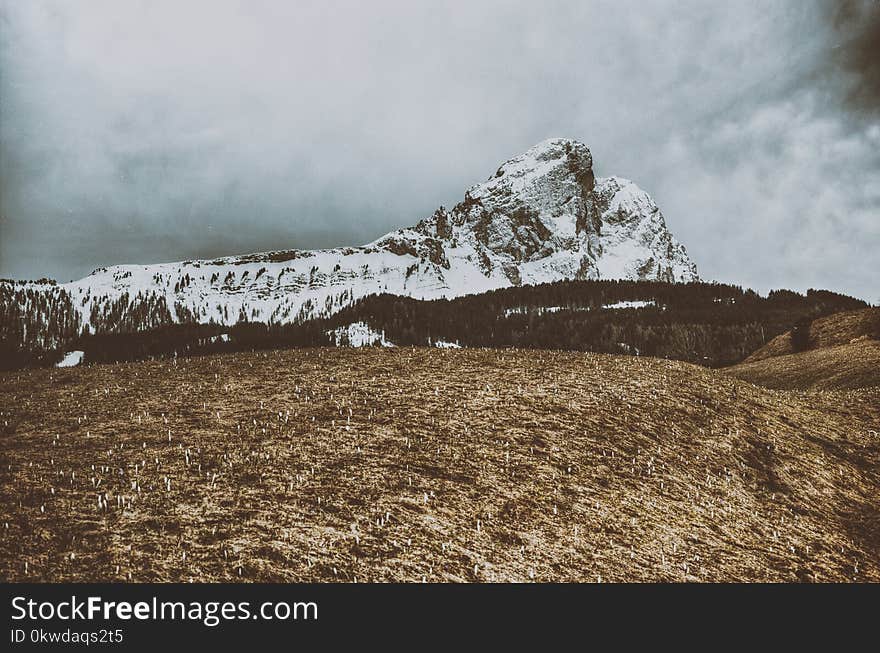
[150,130]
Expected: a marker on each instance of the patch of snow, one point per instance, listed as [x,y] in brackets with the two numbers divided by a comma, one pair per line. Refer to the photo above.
[541,310]
[359,334]
[635,304]
[538,310]
[71,359]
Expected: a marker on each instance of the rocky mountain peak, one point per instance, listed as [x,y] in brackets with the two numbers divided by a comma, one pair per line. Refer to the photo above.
[555,177]
[545,214]
[542,217]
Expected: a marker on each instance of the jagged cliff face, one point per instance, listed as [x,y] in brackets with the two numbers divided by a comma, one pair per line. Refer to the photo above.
[542,217]
[635,242]
[545,217]
[535,220]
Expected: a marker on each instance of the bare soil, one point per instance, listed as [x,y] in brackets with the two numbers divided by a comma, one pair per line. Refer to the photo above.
[436,465]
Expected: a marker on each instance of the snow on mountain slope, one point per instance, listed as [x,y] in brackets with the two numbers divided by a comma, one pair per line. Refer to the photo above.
[635,241]
[542,217]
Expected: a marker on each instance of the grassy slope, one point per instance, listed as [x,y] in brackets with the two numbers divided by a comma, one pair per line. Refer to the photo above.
[830,331]
[844,354]
[843,367]
[399,465]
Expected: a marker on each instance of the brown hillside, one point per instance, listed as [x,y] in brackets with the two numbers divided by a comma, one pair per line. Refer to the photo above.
[830,331]
[843,367]
[843,354]
[403,465]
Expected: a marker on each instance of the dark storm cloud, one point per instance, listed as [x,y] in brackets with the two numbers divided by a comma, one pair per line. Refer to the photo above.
[134,131]
[856,26]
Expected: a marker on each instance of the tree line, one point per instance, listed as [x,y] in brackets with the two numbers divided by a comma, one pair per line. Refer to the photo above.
[707,323]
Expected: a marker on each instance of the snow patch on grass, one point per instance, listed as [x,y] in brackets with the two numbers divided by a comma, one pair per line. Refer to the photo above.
[71,359]
[359,334]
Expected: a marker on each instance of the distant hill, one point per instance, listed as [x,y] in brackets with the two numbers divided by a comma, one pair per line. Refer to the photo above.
[837,329]
[841,351]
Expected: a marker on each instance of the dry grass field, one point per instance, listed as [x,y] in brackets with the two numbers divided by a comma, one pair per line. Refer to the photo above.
[844,354]
[831,331]
[437,465]
[842,367]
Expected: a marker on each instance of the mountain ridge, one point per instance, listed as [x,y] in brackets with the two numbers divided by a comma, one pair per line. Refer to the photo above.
[542,217]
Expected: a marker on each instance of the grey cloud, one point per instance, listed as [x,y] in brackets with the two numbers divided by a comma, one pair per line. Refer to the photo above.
[145,131]
[856,50]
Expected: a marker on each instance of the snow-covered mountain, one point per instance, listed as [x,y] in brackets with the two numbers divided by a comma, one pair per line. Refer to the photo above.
[542,217]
